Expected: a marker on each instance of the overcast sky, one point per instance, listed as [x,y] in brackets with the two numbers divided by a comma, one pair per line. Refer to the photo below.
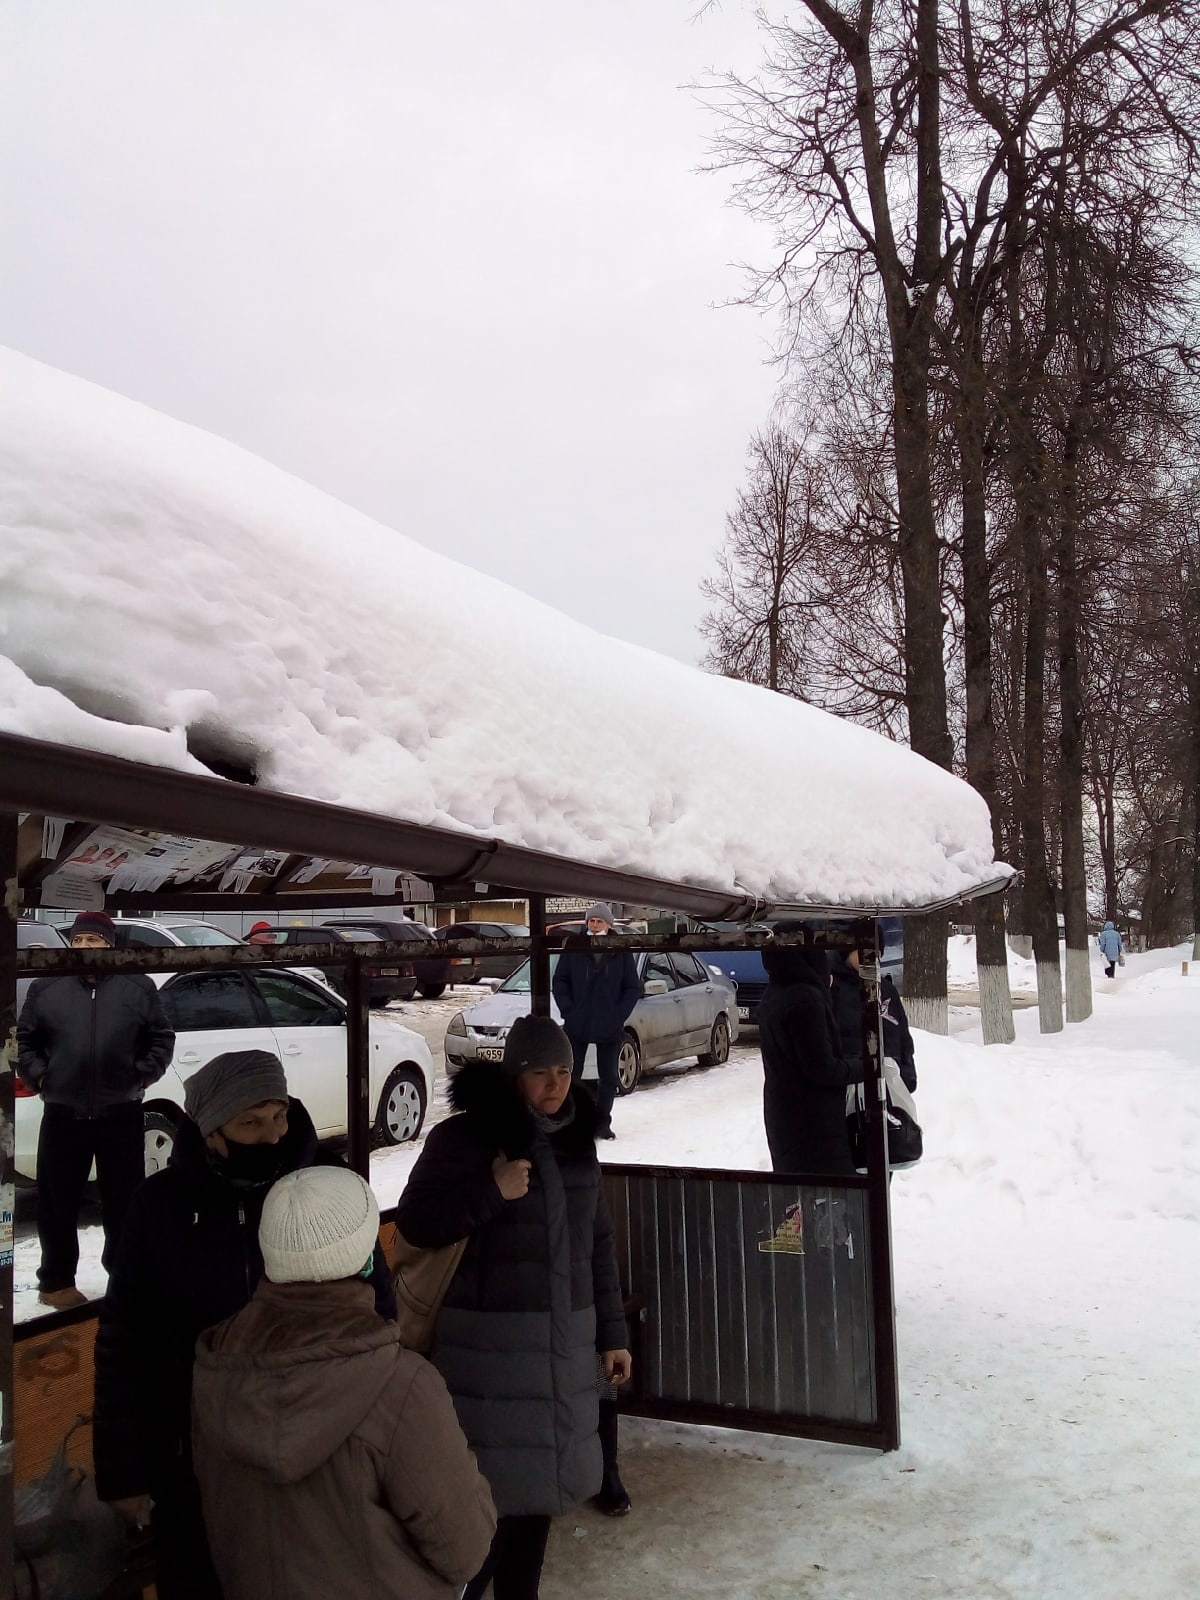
[451,262]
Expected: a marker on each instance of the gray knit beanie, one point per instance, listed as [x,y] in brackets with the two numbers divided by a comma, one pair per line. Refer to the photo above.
[535,1042]
[318,1224]
[230,1084]
[603,911]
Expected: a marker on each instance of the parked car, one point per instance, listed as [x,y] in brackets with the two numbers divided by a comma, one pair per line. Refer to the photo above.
[285,1012]
[469,969]
[746,968]
[432,972]
[396,981]
[686,1010]
[153,932]
[33,934]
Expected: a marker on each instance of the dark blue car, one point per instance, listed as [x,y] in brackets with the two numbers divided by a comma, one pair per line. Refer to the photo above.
[745,967]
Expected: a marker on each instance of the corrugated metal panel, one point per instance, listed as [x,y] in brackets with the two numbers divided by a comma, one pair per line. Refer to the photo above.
[756,1299]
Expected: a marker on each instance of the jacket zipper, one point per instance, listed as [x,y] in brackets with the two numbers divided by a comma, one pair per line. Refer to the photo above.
[245,1256]
[95,988]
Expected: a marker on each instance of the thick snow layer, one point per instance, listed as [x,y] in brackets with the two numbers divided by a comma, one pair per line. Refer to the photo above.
[160,588]
[1047,1253]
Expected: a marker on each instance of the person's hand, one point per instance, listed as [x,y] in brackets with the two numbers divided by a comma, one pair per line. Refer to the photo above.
[134,1510]
[512,1177]
[617,1364]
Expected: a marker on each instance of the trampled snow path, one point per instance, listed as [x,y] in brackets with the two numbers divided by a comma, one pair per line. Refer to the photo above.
[1047,1261]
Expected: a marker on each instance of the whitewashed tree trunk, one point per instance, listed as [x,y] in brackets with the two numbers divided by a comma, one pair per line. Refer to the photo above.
[1079,985]
[1196,945]
[930,1012]
[1050,997]
[995,1005]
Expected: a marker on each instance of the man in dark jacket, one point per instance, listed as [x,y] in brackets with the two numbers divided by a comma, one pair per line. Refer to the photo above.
[847,995]
[190,1258]
[804,1073]
[595,992]
[90,1046]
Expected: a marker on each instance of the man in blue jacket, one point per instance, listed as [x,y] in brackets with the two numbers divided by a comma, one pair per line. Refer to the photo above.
[595,990]
[90,1046]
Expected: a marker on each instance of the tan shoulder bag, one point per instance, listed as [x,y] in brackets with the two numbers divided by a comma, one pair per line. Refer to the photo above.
[421,1277]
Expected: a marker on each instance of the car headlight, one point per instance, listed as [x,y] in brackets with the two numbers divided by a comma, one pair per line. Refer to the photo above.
[457,1025]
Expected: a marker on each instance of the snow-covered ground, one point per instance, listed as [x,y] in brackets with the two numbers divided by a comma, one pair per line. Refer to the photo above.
[1047,1265]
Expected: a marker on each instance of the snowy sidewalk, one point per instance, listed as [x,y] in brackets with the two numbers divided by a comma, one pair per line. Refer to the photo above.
[1047,1267]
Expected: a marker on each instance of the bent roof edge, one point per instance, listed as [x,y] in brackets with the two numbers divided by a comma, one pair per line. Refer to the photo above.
[61,780]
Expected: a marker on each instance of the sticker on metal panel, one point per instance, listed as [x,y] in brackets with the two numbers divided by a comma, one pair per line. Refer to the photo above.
[788,1238]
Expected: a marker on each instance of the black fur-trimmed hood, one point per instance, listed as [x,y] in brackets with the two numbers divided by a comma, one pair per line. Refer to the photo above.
[490,1100]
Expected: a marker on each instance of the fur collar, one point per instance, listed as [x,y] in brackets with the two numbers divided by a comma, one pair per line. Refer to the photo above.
[489,1099]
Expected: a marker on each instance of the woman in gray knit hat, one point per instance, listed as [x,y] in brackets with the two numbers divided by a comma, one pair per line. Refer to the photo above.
[189,1257]
[536,1296]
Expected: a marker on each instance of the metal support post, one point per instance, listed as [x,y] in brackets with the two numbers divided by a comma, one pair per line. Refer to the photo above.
[358,1068]
[887,1377]
[539,958]
[9,907]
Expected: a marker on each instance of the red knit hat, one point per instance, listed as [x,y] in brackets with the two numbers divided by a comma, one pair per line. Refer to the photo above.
[98,922]
[261,927]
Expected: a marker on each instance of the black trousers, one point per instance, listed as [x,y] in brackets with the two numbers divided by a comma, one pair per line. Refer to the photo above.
[514,1563]
[607,1053]
[183,1566]
[67,1146]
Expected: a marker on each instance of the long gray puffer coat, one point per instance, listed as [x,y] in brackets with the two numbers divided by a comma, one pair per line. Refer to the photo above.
[536,1295]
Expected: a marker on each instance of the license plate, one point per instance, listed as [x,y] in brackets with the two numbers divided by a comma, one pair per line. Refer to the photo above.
[743,1013]
[388,972]
[490,1052]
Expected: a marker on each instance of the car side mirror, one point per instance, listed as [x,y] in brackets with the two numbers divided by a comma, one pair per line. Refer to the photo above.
[654,986]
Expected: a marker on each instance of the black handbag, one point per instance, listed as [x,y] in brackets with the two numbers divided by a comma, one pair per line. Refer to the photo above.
[905,1142]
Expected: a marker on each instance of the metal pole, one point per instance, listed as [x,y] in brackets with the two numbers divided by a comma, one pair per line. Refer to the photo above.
[883,1289]
[9,907]
[539,958]
[358,1068]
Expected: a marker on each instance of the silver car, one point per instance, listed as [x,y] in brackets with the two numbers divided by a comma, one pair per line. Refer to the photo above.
[687,1009]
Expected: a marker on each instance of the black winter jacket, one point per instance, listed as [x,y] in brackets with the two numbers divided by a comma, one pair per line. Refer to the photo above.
[804,1074]
[536,1295]
[188,1258]
[595,990]
[92,1045]
[847,1008]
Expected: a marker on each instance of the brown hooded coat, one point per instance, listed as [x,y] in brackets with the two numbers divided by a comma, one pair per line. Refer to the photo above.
[329,1457]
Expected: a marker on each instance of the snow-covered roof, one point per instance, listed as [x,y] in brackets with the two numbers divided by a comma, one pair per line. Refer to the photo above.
[161,588]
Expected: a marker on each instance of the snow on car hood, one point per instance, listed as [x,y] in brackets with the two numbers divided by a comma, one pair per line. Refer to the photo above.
[235,612]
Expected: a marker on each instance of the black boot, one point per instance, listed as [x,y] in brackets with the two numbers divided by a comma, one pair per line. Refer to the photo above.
[612,1499]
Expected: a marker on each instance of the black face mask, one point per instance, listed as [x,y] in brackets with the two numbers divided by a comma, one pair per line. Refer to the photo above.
[252,1163]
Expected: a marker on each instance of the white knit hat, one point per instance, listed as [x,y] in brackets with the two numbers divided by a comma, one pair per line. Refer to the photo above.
[318,1224]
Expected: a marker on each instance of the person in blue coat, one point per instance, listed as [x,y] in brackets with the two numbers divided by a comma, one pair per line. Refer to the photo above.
[1111,947]
[595,992]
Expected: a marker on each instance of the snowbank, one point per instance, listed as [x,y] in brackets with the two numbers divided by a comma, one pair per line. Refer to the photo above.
[162,591]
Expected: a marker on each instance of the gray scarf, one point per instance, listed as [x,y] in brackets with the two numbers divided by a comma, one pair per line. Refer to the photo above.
[560,1120]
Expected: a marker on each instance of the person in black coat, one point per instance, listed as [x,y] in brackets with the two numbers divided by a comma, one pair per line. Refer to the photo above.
[536,1296]
[90,1046]
[595,992]
[804,1073]
[847,995]
[190,1258]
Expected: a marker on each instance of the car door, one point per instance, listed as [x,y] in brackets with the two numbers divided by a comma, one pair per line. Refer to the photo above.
[310,1035]
[660,1017]
[695,995]
[211,1012]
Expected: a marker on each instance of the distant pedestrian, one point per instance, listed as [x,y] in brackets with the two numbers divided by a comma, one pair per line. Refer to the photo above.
[595,991]
[329,1457]
[90,1046]
[804,1072]
[1112,947]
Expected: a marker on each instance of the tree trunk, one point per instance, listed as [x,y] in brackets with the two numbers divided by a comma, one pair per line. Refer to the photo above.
[991,953]
[1070,775]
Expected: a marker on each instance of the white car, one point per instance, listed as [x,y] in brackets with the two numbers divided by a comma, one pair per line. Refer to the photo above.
[303,1022]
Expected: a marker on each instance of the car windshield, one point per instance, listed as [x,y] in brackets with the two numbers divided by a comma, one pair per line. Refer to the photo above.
[519,982]
[201,933]
[361,935]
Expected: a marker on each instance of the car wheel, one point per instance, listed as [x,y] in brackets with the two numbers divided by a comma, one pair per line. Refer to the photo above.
[432,991]
[159,1132]
[717,1053]
[401,1112]
[629,1064]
